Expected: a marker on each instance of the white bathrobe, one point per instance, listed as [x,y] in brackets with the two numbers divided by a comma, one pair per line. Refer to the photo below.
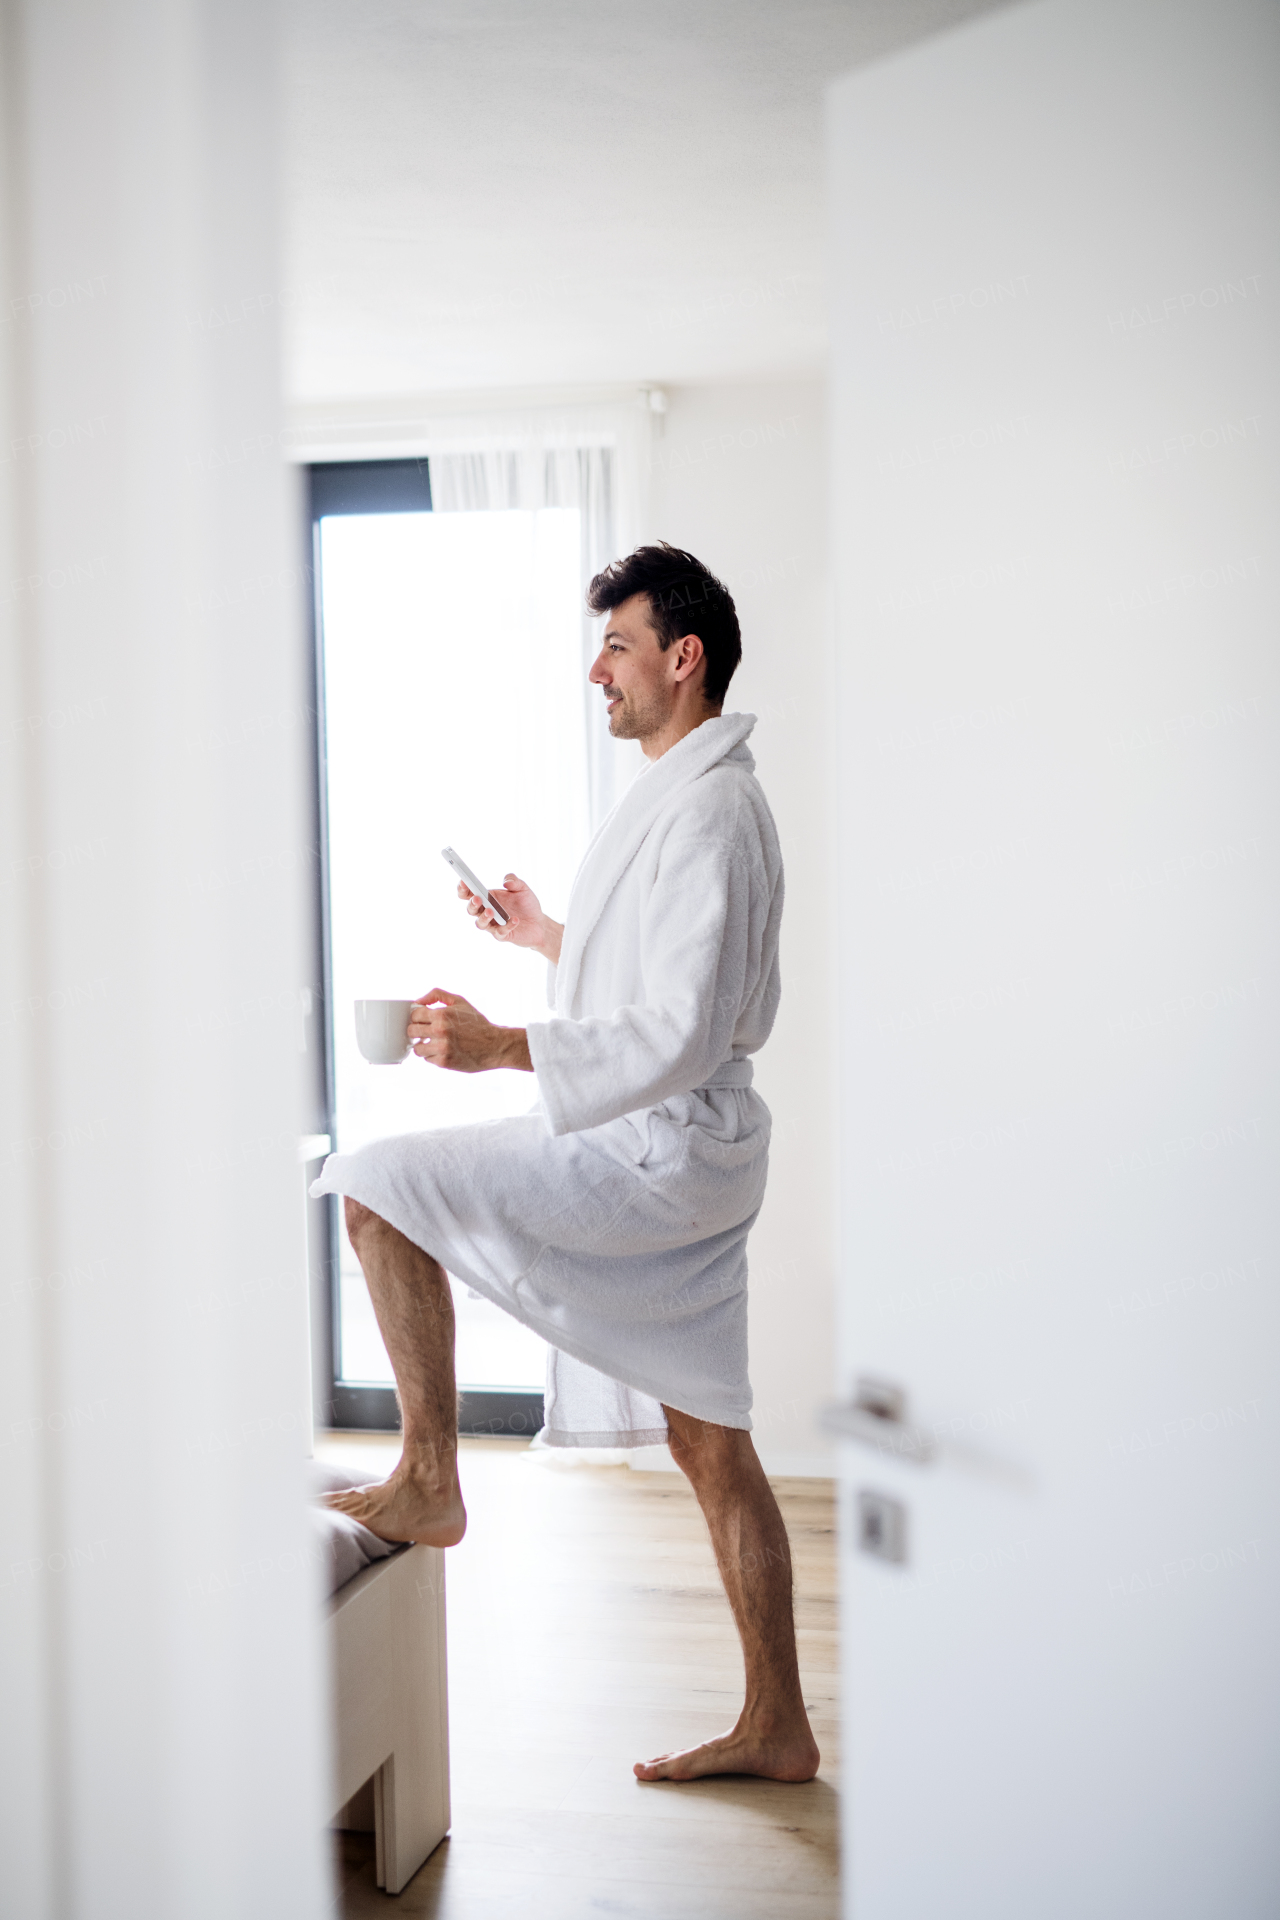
[613,1219]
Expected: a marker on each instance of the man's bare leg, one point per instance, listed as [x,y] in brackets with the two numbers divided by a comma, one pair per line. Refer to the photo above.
[411,1297]
[772,1737]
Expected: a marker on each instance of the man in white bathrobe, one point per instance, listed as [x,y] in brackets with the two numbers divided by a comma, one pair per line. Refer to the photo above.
[613,1218]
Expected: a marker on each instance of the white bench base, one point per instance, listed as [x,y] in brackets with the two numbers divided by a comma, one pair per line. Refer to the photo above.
[391,1709]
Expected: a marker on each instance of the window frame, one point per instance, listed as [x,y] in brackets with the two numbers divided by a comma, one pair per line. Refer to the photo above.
[364,487]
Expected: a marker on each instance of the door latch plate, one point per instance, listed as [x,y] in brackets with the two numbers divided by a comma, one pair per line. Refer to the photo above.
[881,1527]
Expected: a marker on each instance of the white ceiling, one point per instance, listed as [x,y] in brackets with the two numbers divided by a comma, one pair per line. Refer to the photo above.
[528,193]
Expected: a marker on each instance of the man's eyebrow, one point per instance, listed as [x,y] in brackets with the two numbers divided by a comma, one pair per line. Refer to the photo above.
[614,633]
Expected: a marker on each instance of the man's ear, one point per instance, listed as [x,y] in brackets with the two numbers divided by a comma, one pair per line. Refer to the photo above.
[691,652]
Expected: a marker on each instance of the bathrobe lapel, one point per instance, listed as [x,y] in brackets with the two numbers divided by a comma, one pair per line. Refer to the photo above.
[623,832]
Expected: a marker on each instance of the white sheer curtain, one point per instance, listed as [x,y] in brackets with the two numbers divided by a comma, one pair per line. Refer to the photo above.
[530,478]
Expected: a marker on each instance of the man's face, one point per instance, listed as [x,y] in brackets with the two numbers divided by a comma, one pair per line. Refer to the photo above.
[639,680]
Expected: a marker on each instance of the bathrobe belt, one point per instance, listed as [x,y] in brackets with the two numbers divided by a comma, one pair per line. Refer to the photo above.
[734,1073]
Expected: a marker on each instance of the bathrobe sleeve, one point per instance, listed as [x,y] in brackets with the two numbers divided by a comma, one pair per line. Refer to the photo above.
[701,929]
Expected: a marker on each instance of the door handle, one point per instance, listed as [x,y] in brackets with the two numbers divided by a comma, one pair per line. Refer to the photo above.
[877,1417]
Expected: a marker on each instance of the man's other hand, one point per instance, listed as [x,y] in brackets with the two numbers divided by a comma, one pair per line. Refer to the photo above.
[449,1032]
[527,925]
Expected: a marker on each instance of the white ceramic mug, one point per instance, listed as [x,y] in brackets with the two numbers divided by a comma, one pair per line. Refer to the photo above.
[382,1030]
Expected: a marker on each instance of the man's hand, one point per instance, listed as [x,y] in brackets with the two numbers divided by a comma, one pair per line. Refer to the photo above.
[527,926]
[448,1031]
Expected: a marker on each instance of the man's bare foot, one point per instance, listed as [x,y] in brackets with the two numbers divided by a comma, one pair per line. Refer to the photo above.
[417,1503]
[782,1756]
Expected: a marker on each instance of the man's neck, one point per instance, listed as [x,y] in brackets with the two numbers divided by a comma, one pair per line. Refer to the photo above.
[678,727]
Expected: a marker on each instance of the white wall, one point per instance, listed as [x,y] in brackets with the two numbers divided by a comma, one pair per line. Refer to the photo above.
[163,1747]
[739,478]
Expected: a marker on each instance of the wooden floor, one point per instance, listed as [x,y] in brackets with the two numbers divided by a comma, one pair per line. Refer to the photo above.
[588,1629]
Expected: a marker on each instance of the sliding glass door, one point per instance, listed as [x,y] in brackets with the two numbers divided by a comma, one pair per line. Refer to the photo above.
[452,702]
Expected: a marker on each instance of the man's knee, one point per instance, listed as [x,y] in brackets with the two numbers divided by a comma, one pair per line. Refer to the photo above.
[359,1218]
[702,1450]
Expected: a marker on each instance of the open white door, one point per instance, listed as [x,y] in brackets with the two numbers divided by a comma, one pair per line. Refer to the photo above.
[1056,510]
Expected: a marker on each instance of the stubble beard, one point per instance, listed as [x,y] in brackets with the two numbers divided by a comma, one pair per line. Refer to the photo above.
[634,719]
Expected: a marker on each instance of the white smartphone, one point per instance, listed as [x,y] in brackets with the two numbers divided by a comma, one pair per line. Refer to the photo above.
[468,879]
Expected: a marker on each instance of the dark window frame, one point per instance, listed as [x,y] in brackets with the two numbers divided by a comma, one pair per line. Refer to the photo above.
[344,487]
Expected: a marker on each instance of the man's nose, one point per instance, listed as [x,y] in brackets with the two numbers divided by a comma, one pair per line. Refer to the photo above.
[599,675]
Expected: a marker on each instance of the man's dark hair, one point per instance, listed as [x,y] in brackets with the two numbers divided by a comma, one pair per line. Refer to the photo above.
[684,597]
